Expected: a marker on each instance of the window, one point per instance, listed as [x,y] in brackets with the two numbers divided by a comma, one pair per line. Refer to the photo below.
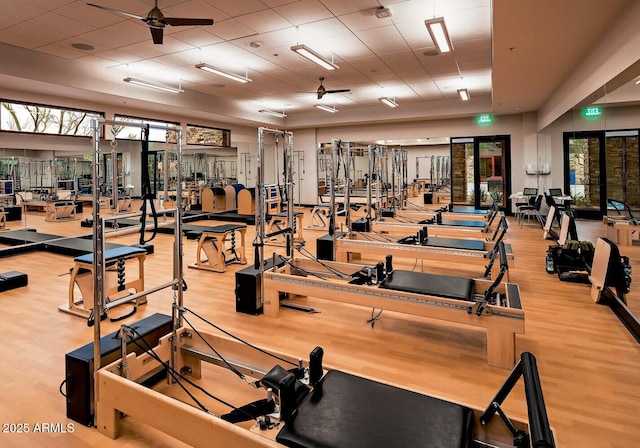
[135,133]
[43,119]
[202,135]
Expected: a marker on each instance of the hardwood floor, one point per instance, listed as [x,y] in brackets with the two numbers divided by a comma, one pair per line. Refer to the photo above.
[587,360]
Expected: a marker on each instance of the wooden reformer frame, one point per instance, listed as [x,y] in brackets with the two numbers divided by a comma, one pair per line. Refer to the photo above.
[352,245]
[120,395]
[502,323]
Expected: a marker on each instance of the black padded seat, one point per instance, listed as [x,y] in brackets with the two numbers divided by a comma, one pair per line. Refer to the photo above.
[454,243]
[193,232]
[112,254]
[347,411]
[446,286]
[471,211]
[460,223]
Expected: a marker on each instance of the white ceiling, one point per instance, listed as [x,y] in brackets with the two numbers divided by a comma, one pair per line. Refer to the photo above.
[512,55]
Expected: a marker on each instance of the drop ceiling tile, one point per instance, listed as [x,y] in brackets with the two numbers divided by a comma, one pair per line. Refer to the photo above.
[95,17]
[232,29]
[304,11]
[196,36]
[342,7]
[264,21]
[63,51]
[316,31]
[6,21]
[61,24]
[24,12]
[364,20]
[238,7]
[36,34]
[385,39]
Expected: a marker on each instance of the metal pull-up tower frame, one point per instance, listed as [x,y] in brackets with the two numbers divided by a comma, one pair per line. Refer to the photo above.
[99,291]
[261,192]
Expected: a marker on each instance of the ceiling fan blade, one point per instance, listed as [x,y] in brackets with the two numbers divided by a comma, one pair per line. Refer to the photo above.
[179,21]
[117,11]
[338,91]
[156,35]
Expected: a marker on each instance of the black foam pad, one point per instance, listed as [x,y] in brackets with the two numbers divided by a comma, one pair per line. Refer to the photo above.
[460,223]
[454,243]
[446,286]
[346,411]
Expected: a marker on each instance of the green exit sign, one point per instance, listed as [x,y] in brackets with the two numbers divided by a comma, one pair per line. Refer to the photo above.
[484,119]
[592,112]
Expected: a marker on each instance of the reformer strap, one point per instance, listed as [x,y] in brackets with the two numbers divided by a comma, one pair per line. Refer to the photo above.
[147,193]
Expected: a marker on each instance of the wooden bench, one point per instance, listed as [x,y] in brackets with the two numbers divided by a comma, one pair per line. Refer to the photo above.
[213,243]
[116,285]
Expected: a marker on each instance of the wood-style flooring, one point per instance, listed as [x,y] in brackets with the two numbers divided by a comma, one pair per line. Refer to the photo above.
[588,362]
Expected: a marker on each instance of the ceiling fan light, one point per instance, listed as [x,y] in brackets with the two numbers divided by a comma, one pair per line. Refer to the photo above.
[314,57]
[217,71]
[141,82]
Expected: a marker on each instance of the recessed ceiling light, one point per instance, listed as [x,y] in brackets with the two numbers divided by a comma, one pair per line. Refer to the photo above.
[83,47]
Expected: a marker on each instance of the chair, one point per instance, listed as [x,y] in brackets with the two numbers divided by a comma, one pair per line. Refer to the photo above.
[533,209]
[528,194]
[551,202]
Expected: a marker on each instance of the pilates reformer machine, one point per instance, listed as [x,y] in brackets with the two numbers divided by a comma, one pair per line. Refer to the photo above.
[442,227]
[306,404]
[623,227]
[492,305]
[610,284]
[421,246]
[362,199]
[567,227]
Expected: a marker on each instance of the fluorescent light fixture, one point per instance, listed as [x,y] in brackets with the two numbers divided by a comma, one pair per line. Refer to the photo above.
[217,71]
[389,101]
[152,85]
[314,57]
[464,94]
[439,35]
[324,107]
[273,113]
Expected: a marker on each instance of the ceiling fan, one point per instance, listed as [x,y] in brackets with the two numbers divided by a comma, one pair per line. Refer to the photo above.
[322,91]
[156,21]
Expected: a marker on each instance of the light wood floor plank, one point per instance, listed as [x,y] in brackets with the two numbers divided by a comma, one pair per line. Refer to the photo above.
[587,360]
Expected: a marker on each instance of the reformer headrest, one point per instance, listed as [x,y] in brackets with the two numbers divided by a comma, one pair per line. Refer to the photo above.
[272,380]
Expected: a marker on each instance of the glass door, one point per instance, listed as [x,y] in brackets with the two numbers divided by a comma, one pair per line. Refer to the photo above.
[584,157]
[463,169]
[623,167]
[480,171]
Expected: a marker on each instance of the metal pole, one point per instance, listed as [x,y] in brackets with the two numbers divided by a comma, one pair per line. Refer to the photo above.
[346,147]
[98,257]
